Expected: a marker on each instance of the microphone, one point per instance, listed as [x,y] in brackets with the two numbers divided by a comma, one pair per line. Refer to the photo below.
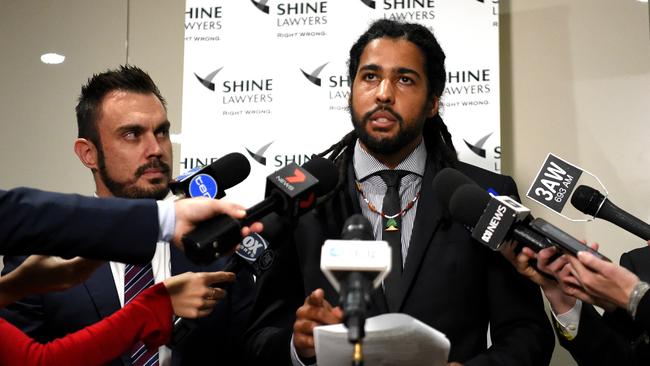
[254,253]
[354,266]
[495,219]
[290,192]
[591,202]
[212,180]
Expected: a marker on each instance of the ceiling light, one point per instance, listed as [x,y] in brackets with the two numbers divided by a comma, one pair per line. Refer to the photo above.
[52,58]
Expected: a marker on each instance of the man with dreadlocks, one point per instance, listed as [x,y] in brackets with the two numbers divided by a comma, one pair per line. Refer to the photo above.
[386,166]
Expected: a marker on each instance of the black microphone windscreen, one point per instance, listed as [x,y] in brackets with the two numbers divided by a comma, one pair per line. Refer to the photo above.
[468,203]
[587,200]
[323,170]
[230,169]
[446,182]
[357,227]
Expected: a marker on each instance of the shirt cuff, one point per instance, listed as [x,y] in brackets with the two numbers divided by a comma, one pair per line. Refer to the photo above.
[166,220]
[568,323]
[295,359]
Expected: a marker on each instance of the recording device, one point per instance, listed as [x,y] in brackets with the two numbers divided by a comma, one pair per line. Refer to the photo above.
[290,192]
[354,265]
[591,202]
[212,180]
[495,219]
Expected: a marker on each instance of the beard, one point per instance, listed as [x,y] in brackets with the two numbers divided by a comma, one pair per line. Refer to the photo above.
[406,134]
[127,190]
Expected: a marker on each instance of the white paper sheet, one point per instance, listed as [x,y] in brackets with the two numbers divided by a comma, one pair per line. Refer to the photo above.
[391,339]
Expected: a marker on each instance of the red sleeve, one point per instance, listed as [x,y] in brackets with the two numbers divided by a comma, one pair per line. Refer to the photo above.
[148,318]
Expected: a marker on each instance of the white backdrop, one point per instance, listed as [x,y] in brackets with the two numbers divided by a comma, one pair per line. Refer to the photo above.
[268,78]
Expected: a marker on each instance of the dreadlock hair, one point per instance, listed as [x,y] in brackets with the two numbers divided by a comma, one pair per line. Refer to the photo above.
[435,133]
[126,78]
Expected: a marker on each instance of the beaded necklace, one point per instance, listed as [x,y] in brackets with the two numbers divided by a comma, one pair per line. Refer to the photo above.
[390,225]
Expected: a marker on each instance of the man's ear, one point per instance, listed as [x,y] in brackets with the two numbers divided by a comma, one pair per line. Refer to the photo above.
[435,103]
[87,153]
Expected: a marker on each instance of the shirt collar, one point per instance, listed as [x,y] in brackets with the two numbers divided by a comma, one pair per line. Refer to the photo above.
[366,165]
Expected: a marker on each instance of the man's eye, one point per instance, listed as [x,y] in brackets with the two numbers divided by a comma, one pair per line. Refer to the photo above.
[405,80]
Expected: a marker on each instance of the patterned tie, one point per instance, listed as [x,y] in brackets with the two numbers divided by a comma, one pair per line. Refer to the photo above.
[392,233]
[136,279]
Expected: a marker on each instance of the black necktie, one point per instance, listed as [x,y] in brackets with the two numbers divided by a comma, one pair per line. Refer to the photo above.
[391,232]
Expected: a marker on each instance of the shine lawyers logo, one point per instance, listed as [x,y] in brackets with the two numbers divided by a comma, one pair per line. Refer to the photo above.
[477,147]
[258,156]
[261,5]
[207,81]
[369,3]
[313,76]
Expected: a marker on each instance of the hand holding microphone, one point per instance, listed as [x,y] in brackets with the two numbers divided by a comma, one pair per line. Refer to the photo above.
[290,192]
[494,220]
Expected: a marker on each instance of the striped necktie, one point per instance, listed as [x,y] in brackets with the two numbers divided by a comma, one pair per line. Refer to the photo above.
[136,279]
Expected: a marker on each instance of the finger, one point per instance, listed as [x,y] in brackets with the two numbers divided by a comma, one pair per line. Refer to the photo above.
[303,342]
[205,312]
[218,294]
[578,293]
[528,252]
[590,261]
[578,270]
[338,313]
[230,209]
[315,298]
[544,255]
[208,304]
[256,227]
[556,265]
[218,277]
[304,327]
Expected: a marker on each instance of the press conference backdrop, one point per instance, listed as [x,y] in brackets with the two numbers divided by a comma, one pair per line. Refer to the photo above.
[269,78]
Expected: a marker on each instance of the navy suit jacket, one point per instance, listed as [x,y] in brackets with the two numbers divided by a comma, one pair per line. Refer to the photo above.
[450,282]
[68,225]
[53,315]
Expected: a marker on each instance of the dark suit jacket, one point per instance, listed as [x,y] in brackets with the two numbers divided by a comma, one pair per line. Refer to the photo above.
[450,282]
[614,338]
[54,315]
[68,225]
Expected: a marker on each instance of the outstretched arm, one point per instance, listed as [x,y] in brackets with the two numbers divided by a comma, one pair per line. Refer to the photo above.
[147,318]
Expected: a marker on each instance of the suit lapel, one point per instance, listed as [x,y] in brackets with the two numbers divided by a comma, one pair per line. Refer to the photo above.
[102,291]
[426,223]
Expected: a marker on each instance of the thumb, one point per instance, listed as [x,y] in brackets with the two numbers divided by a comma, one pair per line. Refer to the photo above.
[316,298]
[590,261]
